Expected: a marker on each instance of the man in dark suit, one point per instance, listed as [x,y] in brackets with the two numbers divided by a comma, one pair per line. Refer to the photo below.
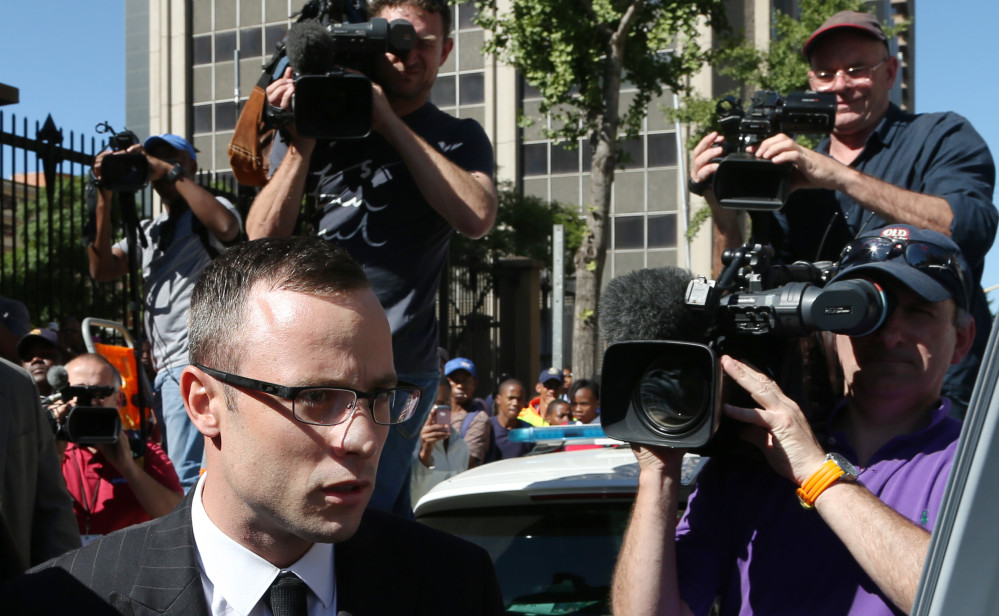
[36,512]
[290,467]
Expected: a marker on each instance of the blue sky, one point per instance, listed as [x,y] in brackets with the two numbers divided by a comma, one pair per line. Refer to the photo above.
[67,59]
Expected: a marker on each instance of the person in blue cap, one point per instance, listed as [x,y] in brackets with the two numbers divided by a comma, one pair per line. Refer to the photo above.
[468,414]
[193,227]
[832,518]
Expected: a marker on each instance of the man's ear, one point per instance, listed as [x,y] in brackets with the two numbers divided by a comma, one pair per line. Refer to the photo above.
[446,48]
[892,71]
[198,391]
[964,338]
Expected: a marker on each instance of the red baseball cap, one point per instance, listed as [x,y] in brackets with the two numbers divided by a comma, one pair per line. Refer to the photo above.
[865,22]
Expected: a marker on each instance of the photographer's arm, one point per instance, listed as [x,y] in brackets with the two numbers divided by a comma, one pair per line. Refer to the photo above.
[889,548]
[894,204]
[466,199]
[217,219]
[727,232]
[276,207]
[106,262]
[645,578]
[154,497]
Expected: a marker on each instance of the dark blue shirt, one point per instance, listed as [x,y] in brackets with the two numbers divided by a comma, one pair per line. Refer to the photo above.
[502,448]
[938,154]
[366,200]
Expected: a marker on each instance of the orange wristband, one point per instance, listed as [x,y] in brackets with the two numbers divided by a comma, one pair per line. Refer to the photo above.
[832,470]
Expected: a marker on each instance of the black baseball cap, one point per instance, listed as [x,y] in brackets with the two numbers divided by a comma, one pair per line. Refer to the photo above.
[927,262]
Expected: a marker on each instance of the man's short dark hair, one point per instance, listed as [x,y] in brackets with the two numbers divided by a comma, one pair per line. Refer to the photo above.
[427,6]
[218,303]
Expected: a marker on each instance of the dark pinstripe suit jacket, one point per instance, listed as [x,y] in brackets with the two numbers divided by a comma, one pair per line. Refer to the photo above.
[390,566]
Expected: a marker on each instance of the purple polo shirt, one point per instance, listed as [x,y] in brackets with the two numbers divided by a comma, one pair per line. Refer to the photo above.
[744,537]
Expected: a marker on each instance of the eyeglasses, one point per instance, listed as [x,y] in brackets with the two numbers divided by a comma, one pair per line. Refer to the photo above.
[852,75]
[329,406]
[923,256]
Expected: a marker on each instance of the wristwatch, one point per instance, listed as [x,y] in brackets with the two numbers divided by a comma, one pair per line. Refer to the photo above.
[176,173]
[699,188]
[836,468]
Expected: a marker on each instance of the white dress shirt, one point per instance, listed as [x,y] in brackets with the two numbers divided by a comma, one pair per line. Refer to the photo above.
[236,580]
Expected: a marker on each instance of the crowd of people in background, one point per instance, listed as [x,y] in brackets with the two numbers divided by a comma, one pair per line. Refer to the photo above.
[465,431]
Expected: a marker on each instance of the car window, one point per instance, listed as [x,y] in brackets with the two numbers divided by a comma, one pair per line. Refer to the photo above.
[550,559]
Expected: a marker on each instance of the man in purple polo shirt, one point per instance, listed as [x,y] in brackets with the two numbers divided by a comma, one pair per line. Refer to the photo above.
[840,543]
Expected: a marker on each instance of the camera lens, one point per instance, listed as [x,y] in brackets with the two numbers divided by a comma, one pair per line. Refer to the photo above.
[673,396]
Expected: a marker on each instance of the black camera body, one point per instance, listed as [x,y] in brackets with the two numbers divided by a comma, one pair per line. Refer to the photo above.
[746,182]
[669,392]
[334,68]
[86,424]
[124,172]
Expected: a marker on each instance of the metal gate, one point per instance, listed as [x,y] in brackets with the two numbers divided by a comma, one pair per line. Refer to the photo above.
[468,309]
[43,200]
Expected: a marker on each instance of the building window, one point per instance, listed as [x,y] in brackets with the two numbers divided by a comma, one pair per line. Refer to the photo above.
[202,49]
[225,116]
[203,118]
[249,43]
[225,45]
[662,150]
[535,159]
[633,156]
[662,231]
[471,89]
[564,160]
[444,91]
[272,36]
[466,13]
[629,232]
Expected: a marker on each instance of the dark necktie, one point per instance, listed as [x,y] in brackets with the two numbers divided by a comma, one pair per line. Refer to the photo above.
[288,595]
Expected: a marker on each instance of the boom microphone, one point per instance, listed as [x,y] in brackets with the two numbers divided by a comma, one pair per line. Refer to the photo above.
[660,382]
[58,379]
[648,304]
[311,48]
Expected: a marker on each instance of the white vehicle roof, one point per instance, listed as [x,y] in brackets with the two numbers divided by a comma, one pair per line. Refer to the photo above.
[584,475]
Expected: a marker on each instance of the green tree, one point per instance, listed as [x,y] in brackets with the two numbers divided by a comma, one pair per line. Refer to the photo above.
[523,229]
[42,269]
[577,53]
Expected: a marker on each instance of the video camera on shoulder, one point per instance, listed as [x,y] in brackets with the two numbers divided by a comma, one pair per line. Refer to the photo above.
[126,172]
[746,182]
[668,392]
[330,42]
[84,423]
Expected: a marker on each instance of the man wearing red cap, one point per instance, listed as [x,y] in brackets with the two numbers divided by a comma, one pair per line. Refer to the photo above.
[177,245]
[880,165]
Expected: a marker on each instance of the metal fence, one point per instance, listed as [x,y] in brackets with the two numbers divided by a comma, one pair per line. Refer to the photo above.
[468,309]
[44,205]
[43,199]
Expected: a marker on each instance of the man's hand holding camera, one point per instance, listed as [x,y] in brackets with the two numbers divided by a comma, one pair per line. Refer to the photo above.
[779,428]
